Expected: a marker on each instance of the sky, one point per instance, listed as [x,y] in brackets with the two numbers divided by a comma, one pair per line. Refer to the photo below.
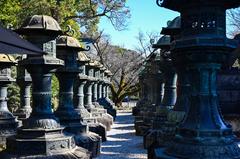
[146,16]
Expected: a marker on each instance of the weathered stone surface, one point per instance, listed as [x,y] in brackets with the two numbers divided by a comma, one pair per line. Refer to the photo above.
[202,48]
[67,50]
[41,135]
[8,122]
[92,122]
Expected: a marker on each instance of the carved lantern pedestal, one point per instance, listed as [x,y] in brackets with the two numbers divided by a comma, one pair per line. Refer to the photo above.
[67,50]
[41,135]
[24,81]
[203,47]
[92,122]
[8,123]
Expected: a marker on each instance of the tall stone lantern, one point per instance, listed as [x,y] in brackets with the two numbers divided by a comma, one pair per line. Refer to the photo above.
[203,47]
[106,102]
[41,135]
[169,73]
[67,50]
[79,95]
[143,93]
[99,113]
[24,81]
[155,85]
[8,122]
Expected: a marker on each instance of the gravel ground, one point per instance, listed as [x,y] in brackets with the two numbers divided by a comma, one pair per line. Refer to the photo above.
[122,142]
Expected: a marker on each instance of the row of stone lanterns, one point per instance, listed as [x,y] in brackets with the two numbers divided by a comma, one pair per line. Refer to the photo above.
[195,48]
[44,133]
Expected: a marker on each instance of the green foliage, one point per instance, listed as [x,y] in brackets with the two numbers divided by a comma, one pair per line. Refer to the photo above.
[55,92]
[13,92]
[76,13]
[14,97]
[9,11]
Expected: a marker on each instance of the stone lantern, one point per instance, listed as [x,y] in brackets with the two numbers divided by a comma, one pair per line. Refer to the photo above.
[168,100]
[100,108]
[101,82]
[106,102]
[169,73]
[24,81]
[143,93]
[99,113]
[202,47]
[41,135]
[92,122]
[164,131]
[67,50]
[147,102]
[155,85]
[8,123]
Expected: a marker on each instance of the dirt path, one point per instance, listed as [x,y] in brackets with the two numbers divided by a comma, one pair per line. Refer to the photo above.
[122,142]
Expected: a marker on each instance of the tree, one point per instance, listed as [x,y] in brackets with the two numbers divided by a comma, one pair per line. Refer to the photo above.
[9,12]
[123,63]
[81,15]
[84,14]
[145,41]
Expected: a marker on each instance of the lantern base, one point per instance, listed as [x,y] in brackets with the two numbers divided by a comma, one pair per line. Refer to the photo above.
[84,138]
[8,126]
[217,148]
[23,113]
[43,144]
[99,129]
[109,106]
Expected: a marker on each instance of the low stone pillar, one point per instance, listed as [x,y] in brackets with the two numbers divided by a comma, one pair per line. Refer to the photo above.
[41,135]
[8,122]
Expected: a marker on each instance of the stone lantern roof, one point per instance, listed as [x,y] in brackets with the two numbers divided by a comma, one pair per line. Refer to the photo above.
[82,57]
[40,23]
[97,64]
[173,27]
[103,68]
[91,63]
[4,58]
[178,5]
[108,72]
[163,43]
[69,42]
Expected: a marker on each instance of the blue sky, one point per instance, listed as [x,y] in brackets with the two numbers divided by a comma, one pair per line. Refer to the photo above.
[146,16]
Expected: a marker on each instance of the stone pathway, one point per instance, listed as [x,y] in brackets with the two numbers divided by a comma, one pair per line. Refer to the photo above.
[122,142]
